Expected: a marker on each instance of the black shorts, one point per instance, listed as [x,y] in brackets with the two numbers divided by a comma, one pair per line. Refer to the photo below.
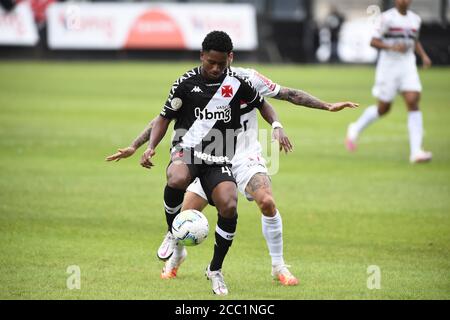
[210,175]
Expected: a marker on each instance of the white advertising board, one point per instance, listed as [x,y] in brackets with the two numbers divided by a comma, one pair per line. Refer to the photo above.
[149,26]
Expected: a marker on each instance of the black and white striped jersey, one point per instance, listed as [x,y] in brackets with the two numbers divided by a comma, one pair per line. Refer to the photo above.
[207,113]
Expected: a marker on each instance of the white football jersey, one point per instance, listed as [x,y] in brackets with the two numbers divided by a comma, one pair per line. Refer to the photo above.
[247,141]
[395,28]
[265,86]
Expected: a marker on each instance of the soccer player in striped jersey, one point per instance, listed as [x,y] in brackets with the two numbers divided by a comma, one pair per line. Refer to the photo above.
[397,38]
[206,105]
[249,169]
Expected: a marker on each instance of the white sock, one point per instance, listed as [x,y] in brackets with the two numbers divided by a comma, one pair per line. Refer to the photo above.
[415,126]
[178,249]
[369,116]
[272,228]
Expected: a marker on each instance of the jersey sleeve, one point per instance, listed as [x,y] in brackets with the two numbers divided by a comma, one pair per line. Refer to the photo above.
[262,84]
[381,27]
[249,94]
[174,102]
[419,25]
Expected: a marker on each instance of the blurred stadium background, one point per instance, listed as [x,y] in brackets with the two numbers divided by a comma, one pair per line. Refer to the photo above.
[303,31]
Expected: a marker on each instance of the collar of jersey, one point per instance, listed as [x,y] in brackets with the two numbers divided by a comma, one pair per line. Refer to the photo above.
[219,80]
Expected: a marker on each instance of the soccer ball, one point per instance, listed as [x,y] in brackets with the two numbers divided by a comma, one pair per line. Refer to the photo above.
[190,227]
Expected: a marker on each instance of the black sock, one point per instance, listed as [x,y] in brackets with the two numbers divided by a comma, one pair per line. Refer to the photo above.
[173,200]
[224,234]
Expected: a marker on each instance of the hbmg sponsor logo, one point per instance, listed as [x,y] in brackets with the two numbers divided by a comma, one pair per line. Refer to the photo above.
[218,115]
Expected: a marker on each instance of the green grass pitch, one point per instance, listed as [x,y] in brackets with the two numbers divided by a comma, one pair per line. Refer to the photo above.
[61,204]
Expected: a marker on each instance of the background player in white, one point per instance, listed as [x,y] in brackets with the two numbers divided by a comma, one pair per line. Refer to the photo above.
[397,38]
[250,172]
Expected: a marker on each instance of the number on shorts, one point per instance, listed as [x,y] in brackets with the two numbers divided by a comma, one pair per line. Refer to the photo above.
[227,170]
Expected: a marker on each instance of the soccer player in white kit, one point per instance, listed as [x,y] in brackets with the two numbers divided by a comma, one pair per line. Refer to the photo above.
[250,172]
[397,38]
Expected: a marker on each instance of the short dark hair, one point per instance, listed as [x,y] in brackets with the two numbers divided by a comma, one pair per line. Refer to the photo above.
[218,41]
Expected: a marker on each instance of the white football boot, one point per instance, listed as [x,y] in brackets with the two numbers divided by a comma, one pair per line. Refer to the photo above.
[218,283]
[167,247]
[421,156]
[350,139]
[282,273]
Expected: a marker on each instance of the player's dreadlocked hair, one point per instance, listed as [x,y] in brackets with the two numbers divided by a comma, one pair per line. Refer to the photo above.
[218,41]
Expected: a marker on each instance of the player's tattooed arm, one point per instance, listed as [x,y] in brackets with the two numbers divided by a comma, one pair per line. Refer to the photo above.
[302,98]
[159,129]
[143,137]
[137,143]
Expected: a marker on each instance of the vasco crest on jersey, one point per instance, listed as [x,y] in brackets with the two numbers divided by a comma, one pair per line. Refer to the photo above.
[227,91]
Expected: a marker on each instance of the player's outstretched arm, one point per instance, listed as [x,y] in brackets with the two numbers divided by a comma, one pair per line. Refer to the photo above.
[136,144]
[121,153]
[426,61]
[271,117]
[338,106]
[158,132]
[302,98]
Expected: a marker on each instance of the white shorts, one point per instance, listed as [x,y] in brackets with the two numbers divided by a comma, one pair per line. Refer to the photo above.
[243,170]
[393,76]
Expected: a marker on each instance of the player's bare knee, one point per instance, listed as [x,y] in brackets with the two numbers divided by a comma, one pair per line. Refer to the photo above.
[383,109]
[224,196]
[413,107]
[412,100]
[178,180]
[267,205]
[228,211]
[412,104]
[178,183]
[227,207]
